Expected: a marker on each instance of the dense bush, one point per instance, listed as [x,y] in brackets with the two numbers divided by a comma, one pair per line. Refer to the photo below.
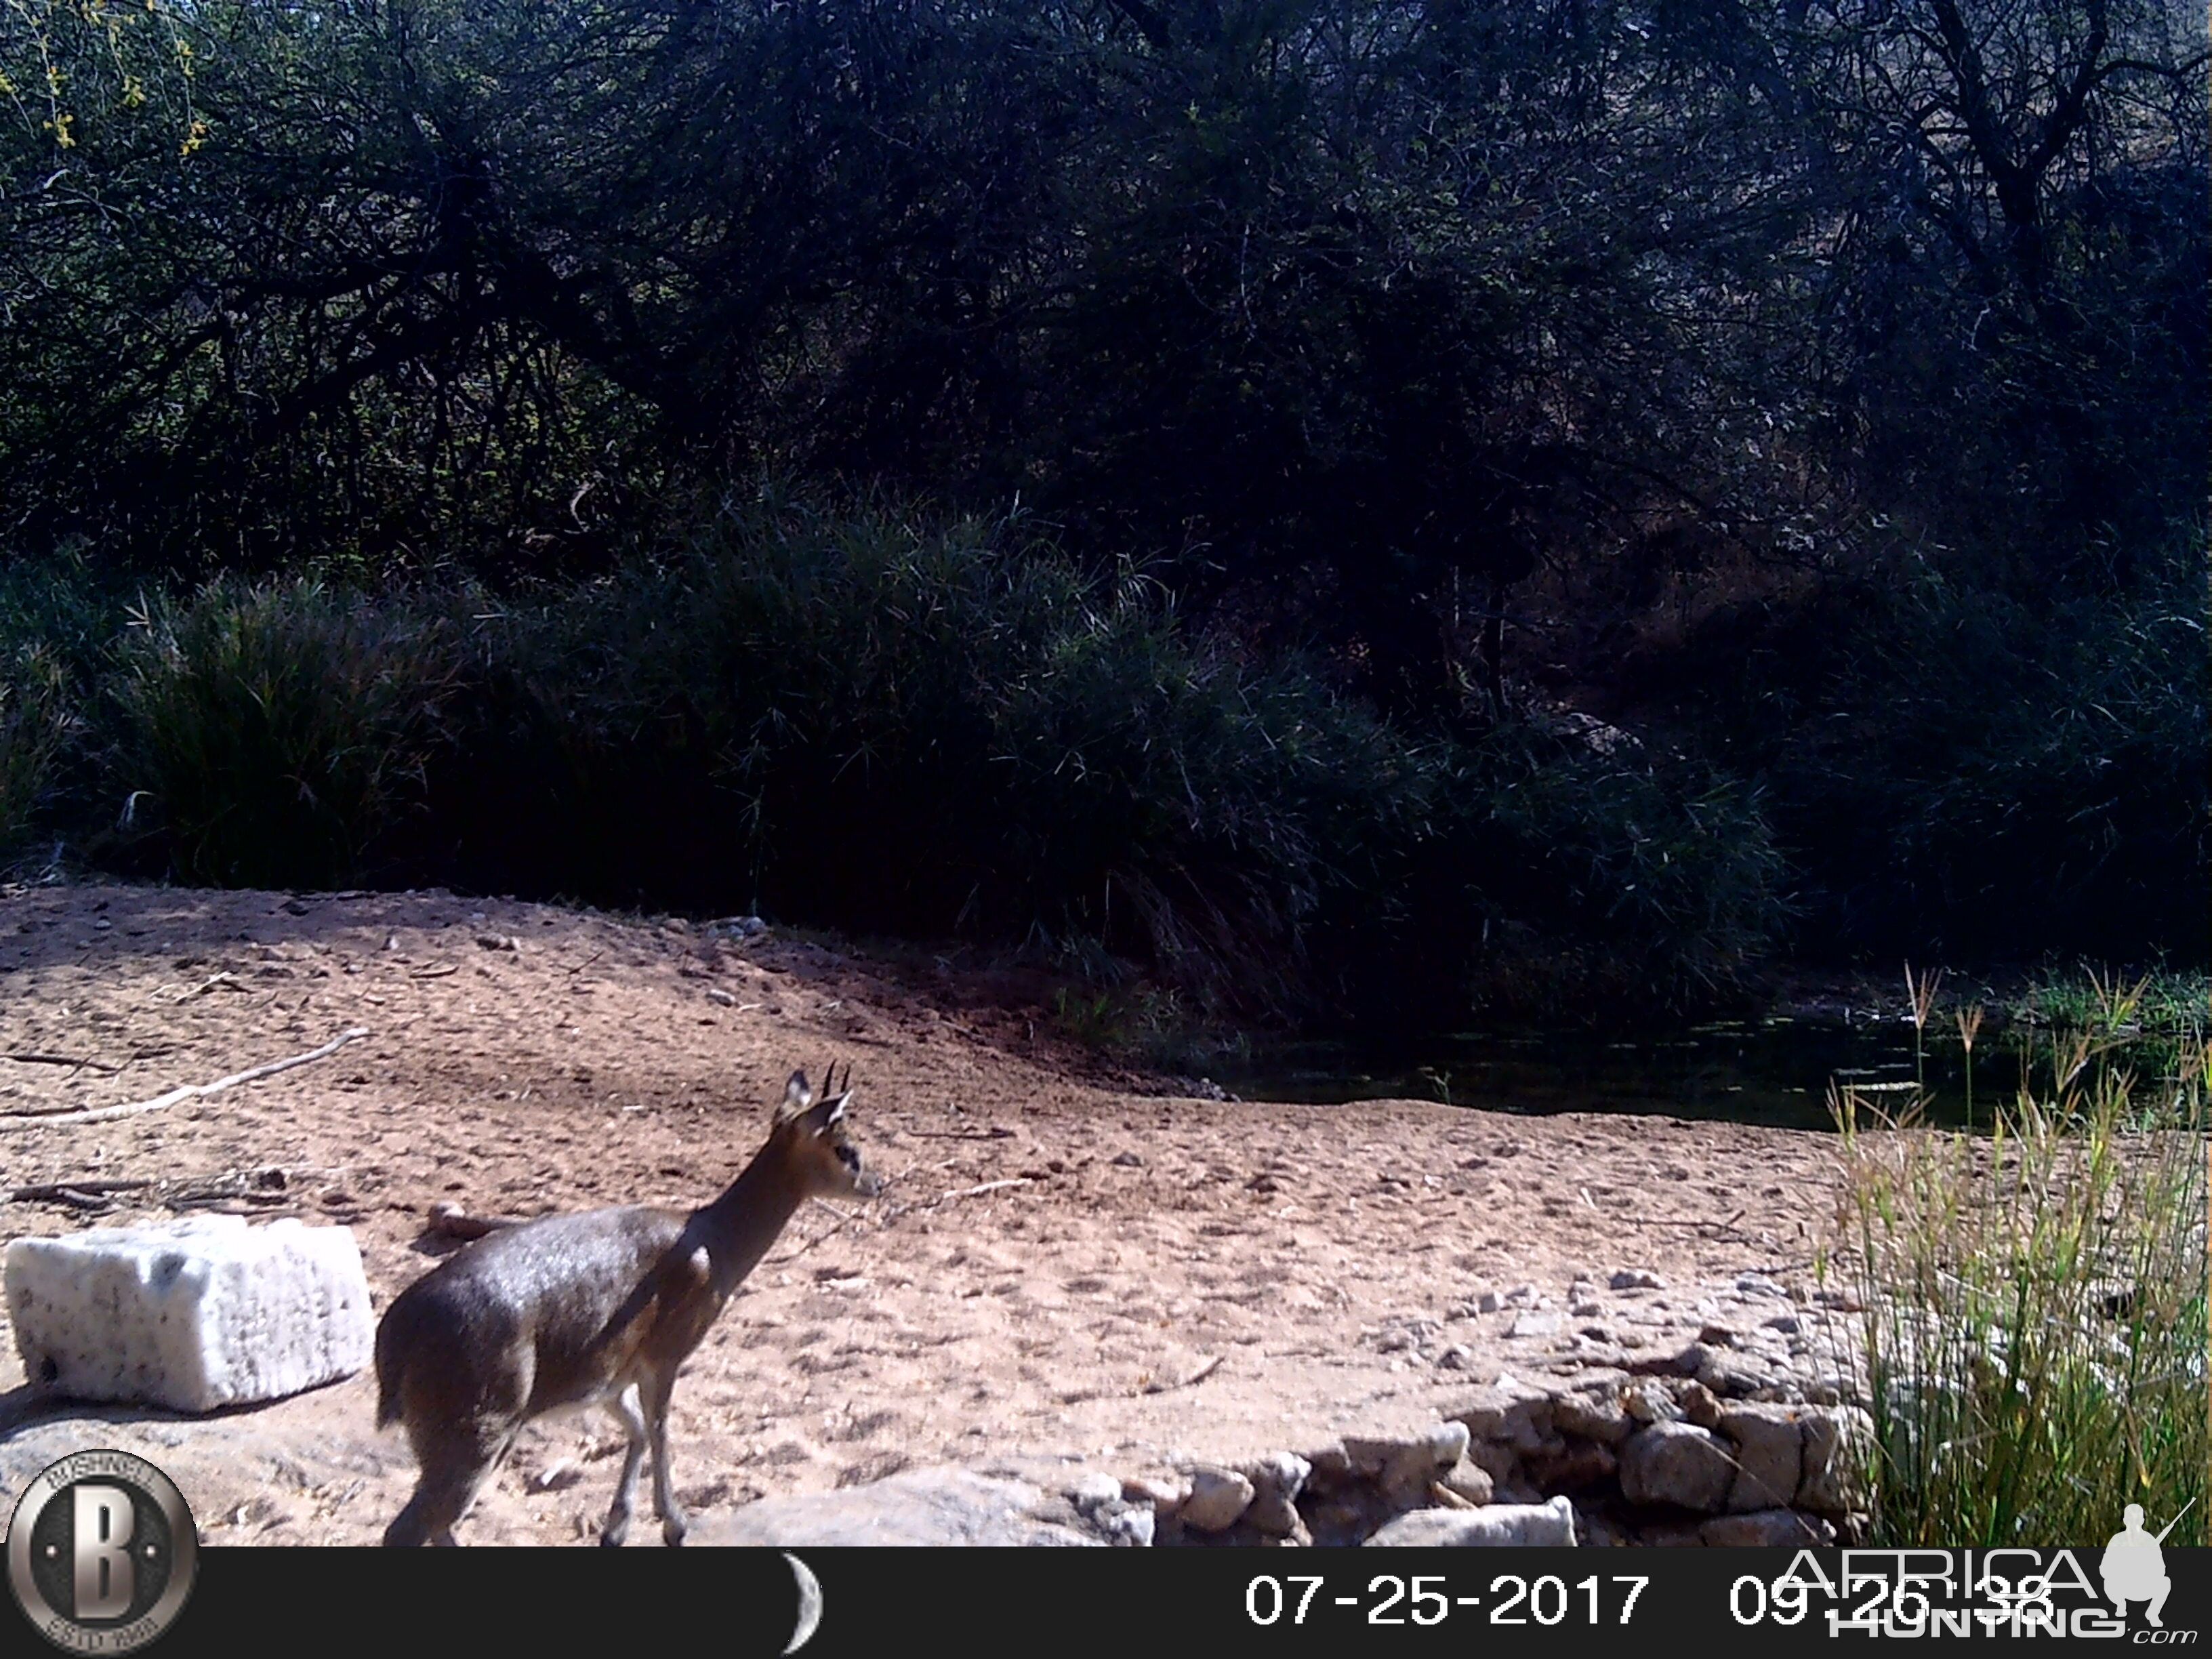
[1469,360]
[1967,765]
[277,730]
[929,728]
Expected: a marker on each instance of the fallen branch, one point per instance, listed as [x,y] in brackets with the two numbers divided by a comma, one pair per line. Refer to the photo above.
[1196,1376]
[1675,1221]
[59,1060]
[73,1192]
[190,1091]
[975,1191]
[71,1197]
[449,1220]
[845,1218]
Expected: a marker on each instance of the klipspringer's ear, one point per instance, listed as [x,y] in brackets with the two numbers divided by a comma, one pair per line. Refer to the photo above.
[796,1097]
[832,1108]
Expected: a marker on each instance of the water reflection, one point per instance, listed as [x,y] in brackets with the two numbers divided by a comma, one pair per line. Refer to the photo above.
[1774,1072]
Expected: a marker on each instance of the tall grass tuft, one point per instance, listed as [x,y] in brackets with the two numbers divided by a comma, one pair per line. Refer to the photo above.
[2034,1310]
[274,731]
[36,722]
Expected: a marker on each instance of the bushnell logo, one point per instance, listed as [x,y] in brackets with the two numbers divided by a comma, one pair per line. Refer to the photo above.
[101,1553]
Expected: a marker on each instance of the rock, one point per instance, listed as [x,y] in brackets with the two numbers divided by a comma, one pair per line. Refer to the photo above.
[1758,1285]
[1132,1528]
[1469,1480]
[1163,1497]
[1511,1412]
[1637,1279]
[1487,1302]
[1737,1376]
[1769,1453]
[1501,1463]
[191,1315]
[1699,1404]
[1493,1526]
[1097,1497]
[1217,1499]
[1405,1464]
[557,1476]
[1095,1489]
[915,1507]
[1837,1440]
[1331,1464]
[1277,1479]
[1767,1529]
[1578,1464]
[1535,1324]
[1676,1463]
[1650,1403]
[1693,1360]
[1456,1358]
[1592,1417]
[1717,1335]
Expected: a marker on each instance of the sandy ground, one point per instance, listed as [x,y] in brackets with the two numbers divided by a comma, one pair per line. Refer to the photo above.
[1306,1264]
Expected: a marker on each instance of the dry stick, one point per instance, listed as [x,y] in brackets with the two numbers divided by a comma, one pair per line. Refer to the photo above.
[1196,1376]
[50,1188]
[59,1060]
[845,1218]
[190,1091]
[1671,1221]
[972,1191]
[449,1220]
[77,1201]
[896,1211]
[78,1195]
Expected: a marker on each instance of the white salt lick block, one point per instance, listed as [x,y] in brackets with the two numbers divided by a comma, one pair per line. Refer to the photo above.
[194,1315]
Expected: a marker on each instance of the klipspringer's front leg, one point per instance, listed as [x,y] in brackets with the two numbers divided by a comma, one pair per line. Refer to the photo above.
[626,1407]
[673,1522]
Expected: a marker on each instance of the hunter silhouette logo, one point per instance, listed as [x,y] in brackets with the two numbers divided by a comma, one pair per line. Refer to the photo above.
[2135,1567]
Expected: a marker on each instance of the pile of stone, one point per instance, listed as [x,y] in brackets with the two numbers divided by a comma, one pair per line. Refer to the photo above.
[1649,1460]
[1628,1460]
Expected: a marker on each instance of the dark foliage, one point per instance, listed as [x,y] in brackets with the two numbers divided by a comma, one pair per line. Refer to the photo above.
[1817,391]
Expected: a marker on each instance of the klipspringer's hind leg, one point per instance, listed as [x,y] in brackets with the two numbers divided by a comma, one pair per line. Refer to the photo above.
[455,1465]
[627,1407]
[673,1522]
